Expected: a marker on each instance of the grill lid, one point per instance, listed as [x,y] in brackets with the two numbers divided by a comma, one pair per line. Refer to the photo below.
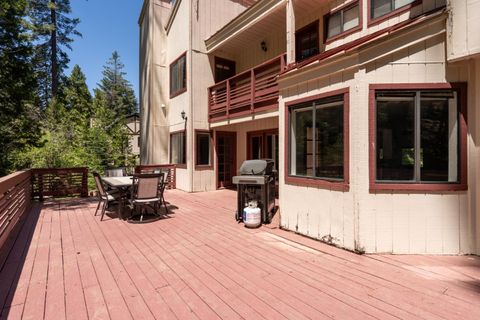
[257,167]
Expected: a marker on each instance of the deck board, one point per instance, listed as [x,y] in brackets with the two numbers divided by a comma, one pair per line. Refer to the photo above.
[198,263]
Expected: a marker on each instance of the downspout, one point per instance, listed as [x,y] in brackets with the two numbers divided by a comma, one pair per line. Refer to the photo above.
[190,132]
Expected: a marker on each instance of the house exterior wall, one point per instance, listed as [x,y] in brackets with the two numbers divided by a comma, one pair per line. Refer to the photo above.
[358,219]
[463,25]
[163,39]
[437,50]
[153,82]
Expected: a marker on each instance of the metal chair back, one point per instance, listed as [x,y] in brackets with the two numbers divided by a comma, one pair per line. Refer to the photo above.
[99,184]
[147,186]
[116,172]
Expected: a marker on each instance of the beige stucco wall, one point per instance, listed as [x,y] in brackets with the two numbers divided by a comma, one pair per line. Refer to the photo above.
[388,222]
[463,27]
[153,77]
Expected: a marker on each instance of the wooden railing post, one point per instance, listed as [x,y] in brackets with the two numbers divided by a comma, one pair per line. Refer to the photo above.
[40,186]
[227,107]
[252,90]
[84,192]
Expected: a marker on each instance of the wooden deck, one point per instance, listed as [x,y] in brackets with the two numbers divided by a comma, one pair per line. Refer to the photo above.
[200,264]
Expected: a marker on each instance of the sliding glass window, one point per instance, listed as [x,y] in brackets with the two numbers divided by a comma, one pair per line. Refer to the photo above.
[317,139]
[417,136]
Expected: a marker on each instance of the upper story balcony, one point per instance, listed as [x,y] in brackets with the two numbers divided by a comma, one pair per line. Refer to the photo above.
[254,90]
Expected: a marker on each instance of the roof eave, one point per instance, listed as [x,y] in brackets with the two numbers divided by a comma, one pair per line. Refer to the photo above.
[244,20]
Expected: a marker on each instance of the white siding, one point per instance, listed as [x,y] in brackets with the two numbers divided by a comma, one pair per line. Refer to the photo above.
[385,222]
[463,27]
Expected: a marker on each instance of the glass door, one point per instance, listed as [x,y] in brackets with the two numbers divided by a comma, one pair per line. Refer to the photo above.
[226,158]
[263,145]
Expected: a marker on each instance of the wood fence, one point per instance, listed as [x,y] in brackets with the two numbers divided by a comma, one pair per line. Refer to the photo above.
[171,178]
[59,182]
[15,202]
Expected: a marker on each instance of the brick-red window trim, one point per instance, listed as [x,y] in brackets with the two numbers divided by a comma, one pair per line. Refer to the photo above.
[182,163]
[376,186]
[314,181]
[309,30]
[343,8]
[395,12]
[178,75]
[198,133]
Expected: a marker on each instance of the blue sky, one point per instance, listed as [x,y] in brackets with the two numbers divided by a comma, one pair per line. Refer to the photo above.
[106,25]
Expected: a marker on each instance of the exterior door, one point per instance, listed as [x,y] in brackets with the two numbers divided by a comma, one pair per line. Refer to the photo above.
[224,69]
[226,147]
[263,144]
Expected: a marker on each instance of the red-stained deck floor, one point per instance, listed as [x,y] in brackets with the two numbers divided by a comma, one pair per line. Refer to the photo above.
[200,264]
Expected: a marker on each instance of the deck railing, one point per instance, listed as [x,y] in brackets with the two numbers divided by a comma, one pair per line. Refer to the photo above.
[251,91]
[15,201]
[171,178]
[59,182]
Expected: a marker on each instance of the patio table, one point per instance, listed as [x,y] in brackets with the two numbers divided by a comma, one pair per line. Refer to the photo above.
[122,184]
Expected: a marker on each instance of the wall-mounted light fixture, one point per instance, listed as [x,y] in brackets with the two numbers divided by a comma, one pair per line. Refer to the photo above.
[263,45]
[184,115]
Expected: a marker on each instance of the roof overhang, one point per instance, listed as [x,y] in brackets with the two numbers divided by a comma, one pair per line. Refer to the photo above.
[262,10]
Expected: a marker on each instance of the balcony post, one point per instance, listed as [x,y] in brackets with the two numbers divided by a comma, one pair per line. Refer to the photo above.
[227,107]
[290,32]
[252,90]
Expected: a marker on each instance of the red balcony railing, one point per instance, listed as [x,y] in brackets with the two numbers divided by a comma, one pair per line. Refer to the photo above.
[248,92]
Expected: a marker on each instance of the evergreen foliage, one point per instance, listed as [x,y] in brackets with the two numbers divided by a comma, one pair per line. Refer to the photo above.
[19,118]
[53,30]
[119,95]
[46,118]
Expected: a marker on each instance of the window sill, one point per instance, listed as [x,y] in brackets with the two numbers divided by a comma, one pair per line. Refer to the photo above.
[180,166]
[374,21]
[417,187]
[318,183]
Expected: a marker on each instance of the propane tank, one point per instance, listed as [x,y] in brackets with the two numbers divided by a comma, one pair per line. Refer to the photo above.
[252,217]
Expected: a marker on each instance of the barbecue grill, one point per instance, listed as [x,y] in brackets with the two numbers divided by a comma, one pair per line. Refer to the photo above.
[256,182]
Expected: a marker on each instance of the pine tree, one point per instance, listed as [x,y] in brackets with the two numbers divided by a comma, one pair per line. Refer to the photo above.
[19,123]
[118,91]
[77,97]
[53,31]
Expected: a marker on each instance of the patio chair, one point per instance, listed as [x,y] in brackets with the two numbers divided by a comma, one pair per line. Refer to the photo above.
[116,172]
[104,197]
[147,192]
[162,191]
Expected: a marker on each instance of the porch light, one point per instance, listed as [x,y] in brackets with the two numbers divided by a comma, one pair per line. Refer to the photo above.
[184,116]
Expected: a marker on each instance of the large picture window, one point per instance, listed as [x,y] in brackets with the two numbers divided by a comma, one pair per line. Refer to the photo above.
[419,138]
[317,139]
[177,148]
[307,42]
[203,148]
[381,8]
[342,20]
[178,76]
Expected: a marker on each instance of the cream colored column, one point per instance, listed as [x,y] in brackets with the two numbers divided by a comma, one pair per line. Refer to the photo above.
[290,32]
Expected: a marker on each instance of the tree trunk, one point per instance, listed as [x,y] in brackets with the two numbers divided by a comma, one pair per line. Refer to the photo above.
[53,47]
